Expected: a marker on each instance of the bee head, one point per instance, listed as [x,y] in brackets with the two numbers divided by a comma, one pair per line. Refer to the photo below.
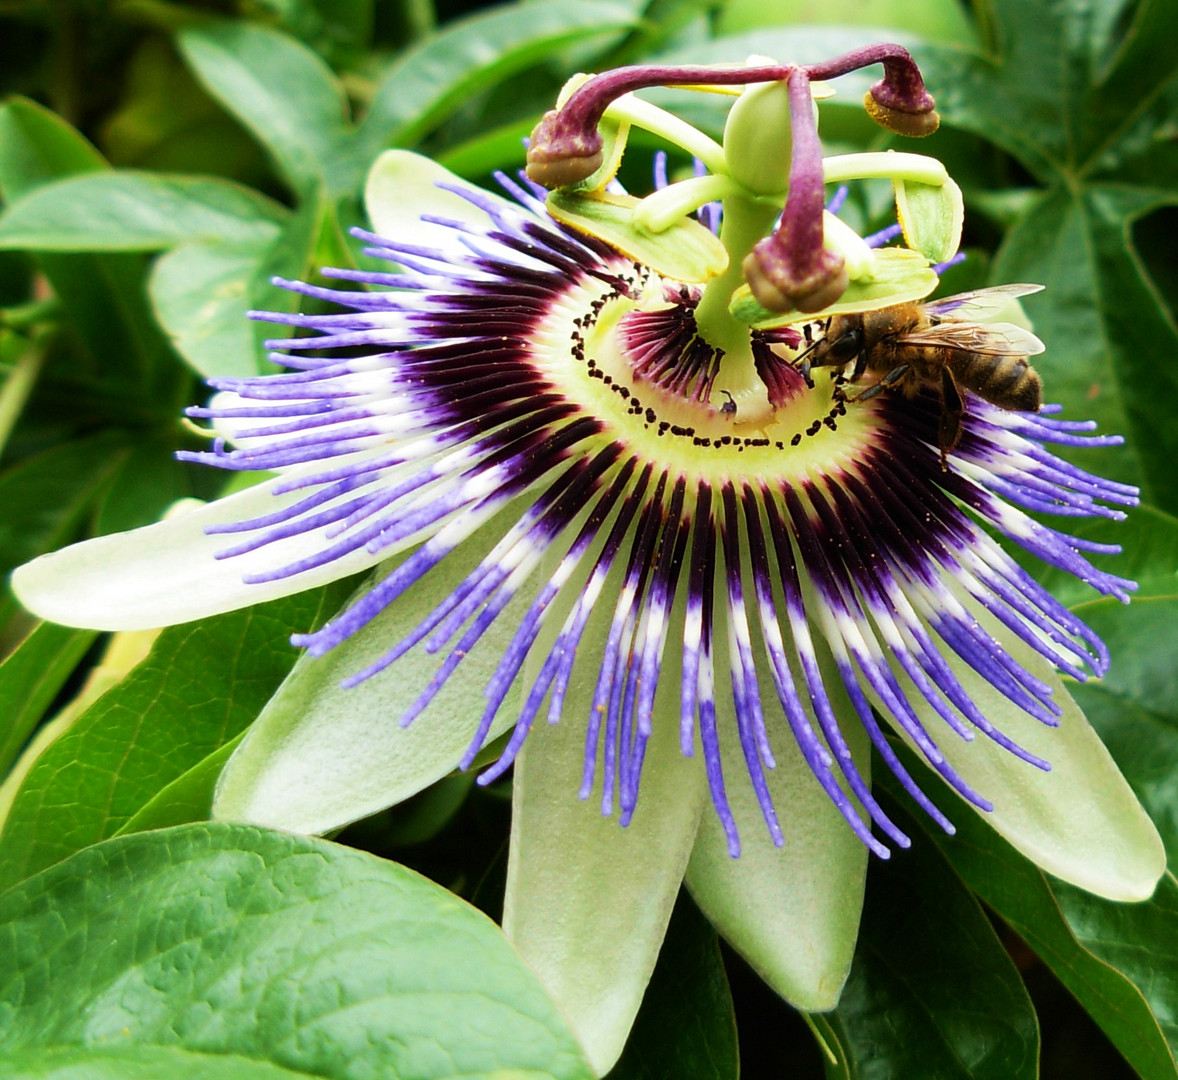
[842,342]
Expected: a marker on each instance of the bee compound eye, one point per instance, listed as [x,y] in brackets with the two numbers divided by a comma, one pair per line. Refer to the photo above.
[847,346]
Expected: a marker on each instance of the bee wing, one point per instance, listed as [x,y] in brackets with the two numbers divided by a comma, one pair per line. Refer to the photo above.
[979,305]
[992,339]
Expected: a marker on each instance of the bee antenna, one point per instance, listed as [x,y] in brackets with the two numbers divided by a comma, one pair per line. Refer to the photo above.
[802,360]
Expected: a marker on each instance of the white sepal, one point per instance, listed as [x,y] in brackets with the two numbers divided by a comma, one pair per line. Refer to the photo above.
[588,901]
[320,756]
[793,911]
[1080,821]
[168,573]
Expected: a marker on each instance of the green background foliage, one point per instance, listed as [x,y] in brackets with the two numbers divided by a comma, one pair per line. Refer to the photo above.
[160,161]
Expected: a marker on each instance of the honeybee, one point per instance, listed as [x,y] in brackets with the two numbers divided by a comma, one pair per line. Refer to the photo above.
[945,344]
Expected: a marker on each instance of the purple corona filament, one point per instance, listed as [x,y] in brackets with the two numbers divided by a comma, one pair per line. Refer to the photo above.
[437,405]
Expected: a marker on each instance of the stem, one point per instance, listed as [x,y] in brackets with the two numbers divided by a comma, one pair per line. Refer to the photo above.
[16,389]
[901,86]
[419,19]
[888,165]
[746,220]
[801,219]
[63,89]
[661,209]
[677,132]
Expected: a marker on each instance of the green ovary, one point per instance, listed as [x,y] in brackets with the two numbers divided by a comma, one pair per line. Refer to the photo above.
[811,435]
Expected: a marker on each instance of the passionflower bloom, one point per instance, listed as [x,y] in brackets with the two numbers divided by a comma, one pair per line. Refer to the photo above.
[624,529]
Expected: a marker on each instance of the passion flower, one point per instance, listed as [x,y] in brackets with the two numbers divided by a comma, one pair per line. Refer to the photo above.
[686,573]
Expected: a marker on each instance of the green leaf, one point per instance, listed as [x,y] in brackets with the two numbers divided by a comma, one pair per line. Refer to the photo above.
[663,22]
[30,678]
[489,150]
[148,481]
[337,29]
[106,302]
[166,120]
[102,295]
[1134,707]
[1117,959]
[201,293]
[932,991]
[47,496]
[431,81]
[202,684]
[37,147]
[934,19]
[1091,126]
[421,817]
[137,1063]
[310,239]
[282,950]
[187,798]
[133,211]
[278,88]
[685,1029]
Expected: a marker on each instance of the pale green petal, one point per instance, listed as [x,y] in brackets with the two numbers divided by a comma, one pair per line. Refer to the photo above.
[1080,821]
[897,276]
[684,251]
[320,756]
[587,901]
[403,186]
[166,573]
[932,216]
[792,912]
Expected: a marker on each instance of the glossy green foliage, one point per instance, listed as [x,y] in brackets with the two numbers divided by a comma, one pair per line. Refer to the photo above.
[271,955]
[932,992]
[1089,125]
[201,685]
[1094,947]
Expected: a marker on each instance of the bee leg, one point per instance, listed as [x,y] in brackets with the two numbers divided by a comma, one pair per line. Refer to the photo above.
[952,410]
[892,377]
[860,366]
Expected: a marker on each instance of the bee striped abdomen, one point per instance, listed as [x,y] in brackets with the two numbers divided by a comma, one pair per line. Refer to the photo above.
[1006,381]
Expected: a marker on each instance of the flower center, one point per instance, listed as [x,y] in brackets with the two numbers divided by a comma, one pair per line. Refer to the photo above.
[625,347]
